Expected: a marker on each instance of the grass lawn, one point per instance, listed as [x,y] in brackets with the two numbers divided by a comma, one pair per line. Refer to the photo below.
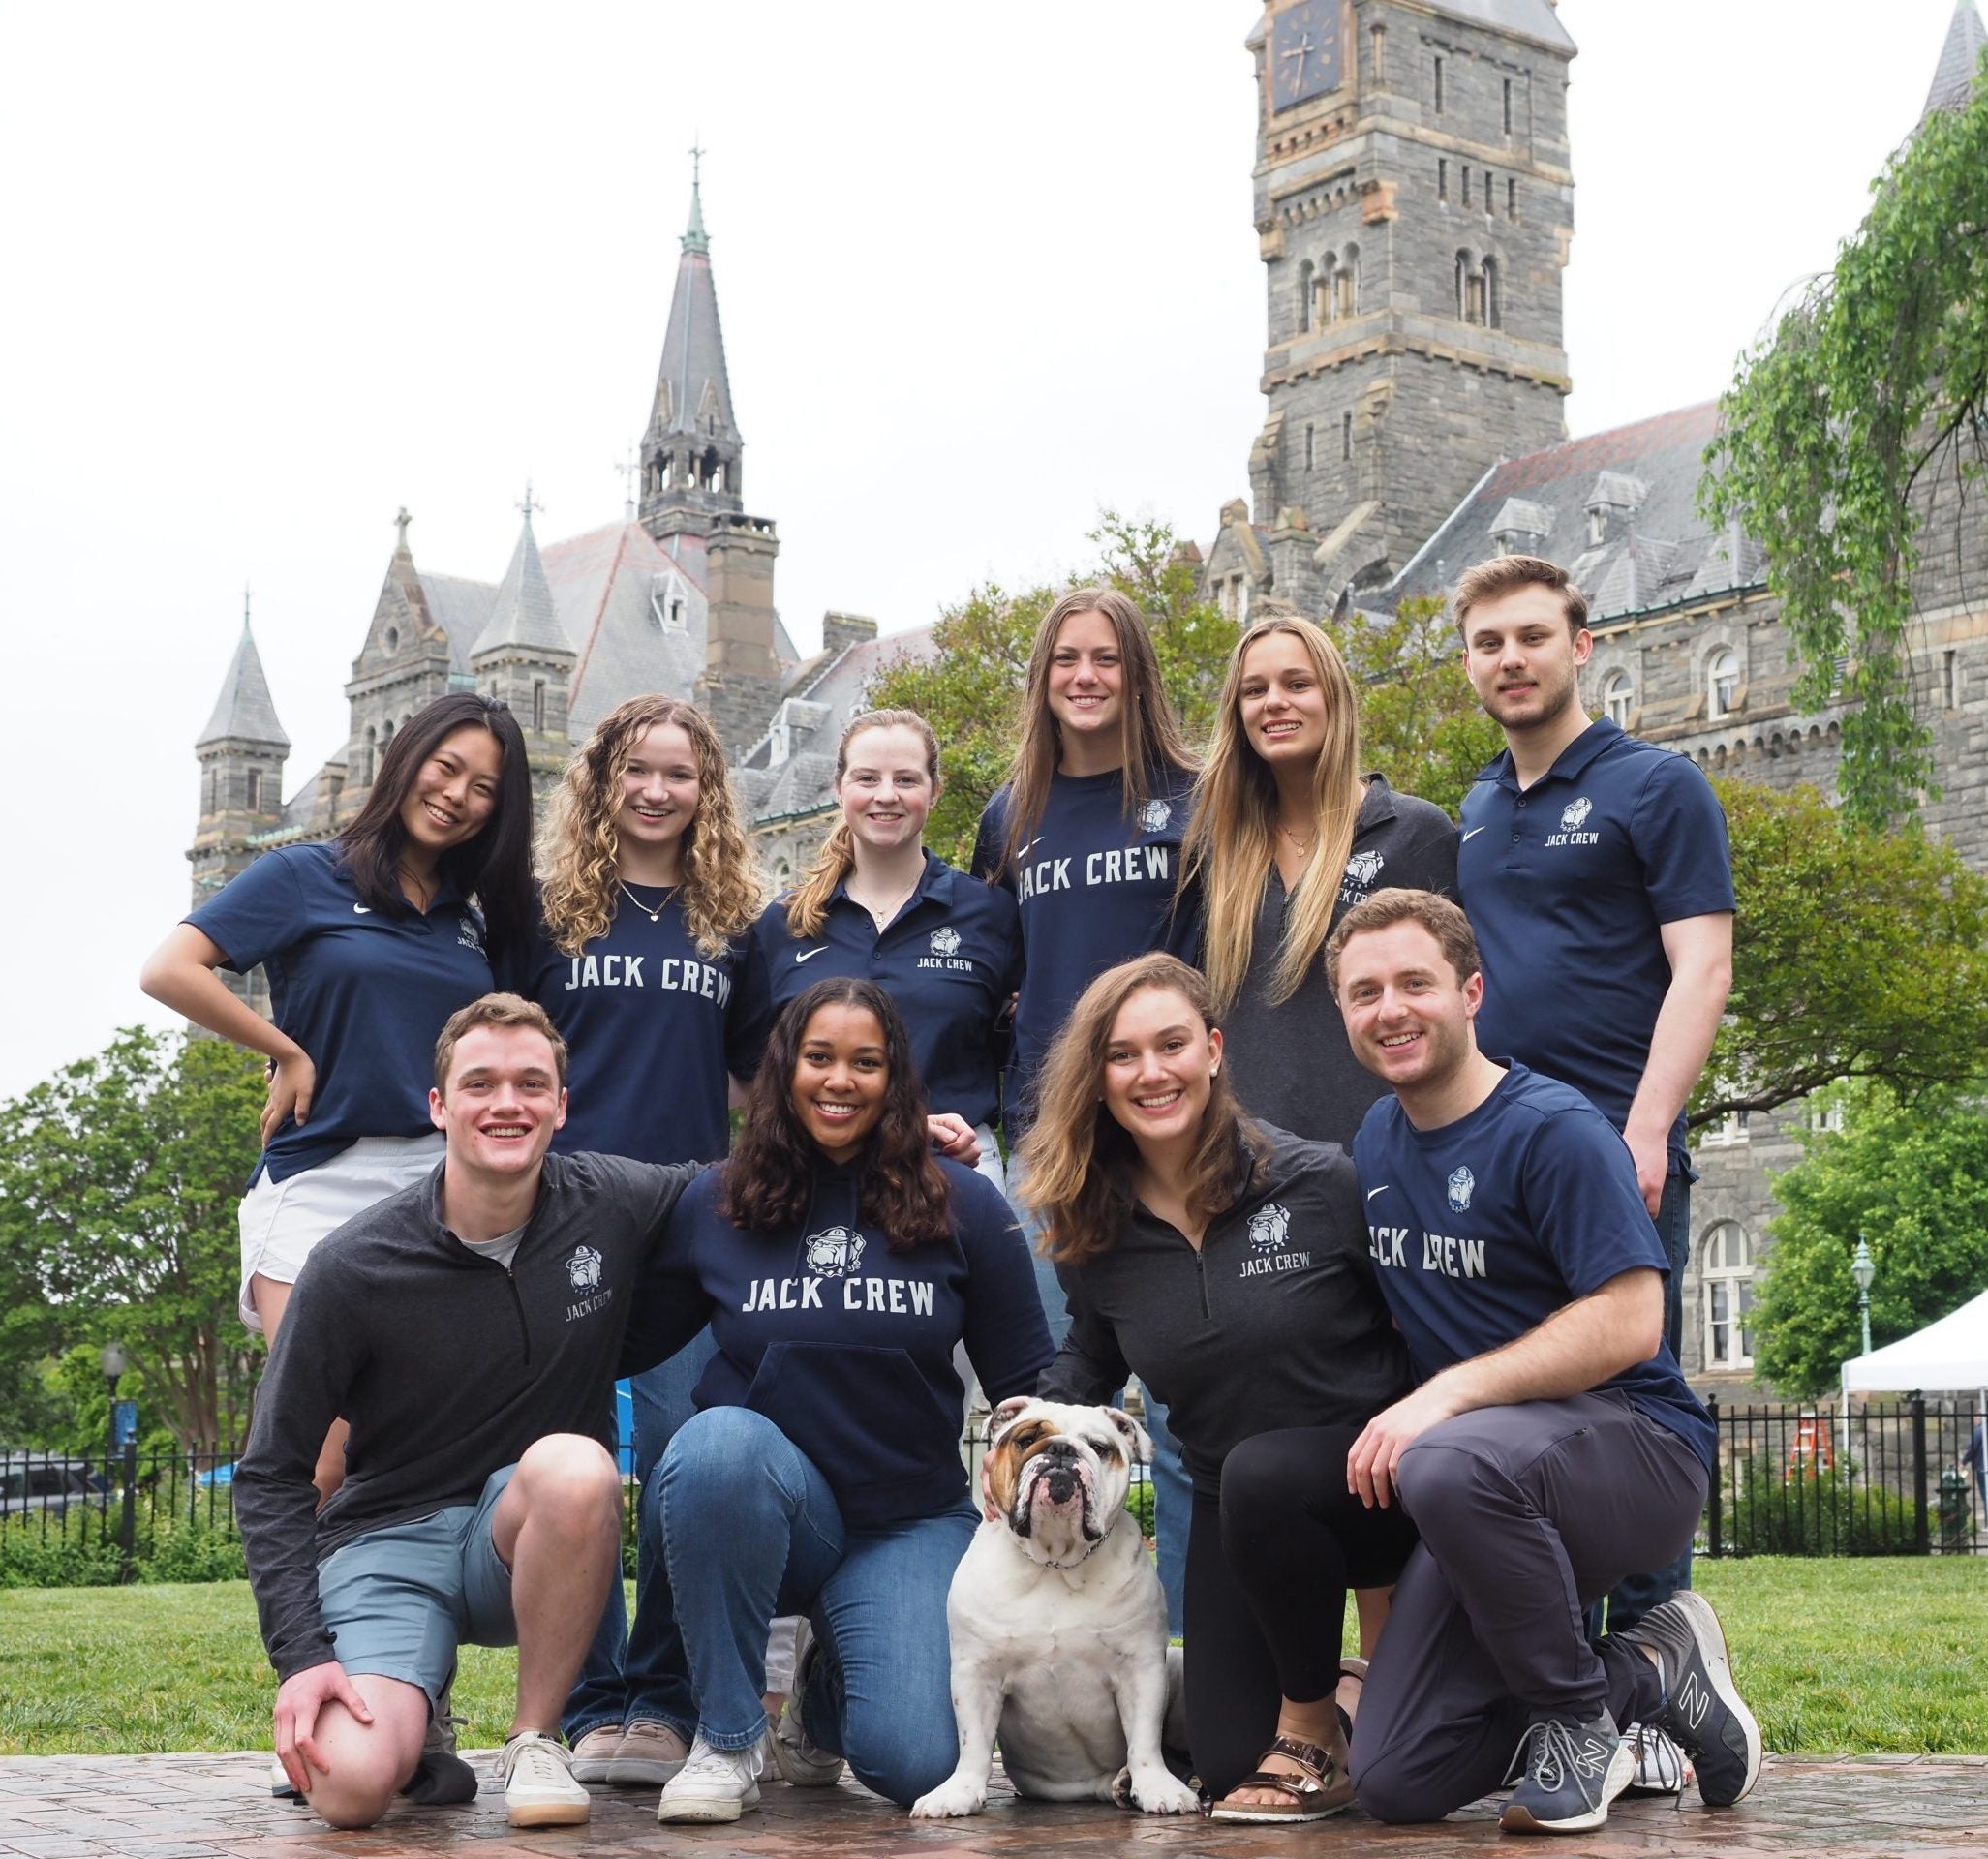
[1833,1656]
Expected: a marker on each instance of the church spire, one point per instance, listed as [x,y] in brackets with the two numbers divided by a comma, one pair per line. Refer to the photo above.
[244,712]
[1953,78]
[691,451]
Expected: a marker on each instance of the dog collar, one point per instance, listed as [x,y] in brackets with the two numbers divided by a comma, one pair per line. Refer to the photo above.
[1047,1563]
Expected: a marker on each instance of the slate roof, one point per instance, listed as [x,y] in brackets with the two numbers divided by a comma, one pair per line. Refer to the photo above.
[1534,20]
[692,369]
[1644,478]
[1953,78]
[244,712]
[523,613]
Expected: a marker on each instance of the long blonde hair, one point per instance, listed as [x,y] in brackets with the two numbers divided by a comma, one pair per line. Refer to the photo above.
[1231,837]
[1076,1160]
[1150,737]
[721,884]
[807,906]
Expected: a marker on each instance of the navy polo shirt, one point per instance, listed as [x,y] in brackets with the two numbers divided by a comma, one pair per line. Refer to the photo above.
[1568,885]
[1095,888]
[949,959]
[1482,1230]
[363,992]
[652,1025]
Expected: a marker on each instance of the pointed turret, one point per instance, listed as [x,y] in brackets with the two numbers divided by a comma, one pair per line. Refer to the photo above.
[692,452]
[1960,58]
[242,754]
[524,657]
[244,712]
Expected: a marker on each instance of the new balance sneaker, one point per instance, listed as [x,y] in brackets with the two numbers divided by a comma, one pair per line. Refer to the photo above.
[649,1755]
[1573,1771]
[802,1763]
[595,1751]
[539,1785]
[1661,1766]
[713,1786]
[1701,1708]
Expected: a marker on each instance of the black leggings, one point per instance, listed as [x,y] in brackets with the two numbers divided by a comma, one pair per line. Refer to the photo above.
[1269,1559]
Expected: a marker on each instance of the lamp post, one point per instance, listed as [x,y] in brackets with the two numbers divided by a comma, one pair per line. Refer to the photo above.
[1863,1268]
[113,1359]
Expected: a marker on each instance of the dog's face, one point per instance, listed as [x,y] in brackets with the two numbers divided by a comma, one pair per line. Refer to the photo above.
[1057,1475]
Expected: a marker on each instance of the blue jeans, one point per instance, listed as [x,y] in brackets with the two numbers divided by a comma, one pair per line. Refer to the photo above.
[1172,1493]
[638,1675]
[1632,1596]
[751,1531]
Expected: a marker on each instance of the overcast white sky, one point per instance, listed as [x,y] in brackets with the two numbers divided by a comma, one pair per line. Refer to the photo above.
[275,271]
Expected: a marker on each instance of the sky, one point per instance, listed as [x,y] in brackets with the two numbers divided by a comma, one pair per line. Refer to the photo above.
[275,272]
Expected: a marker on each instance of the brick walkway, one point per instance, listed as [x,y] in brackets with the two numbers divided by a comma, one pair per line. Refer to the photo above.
[214,1807]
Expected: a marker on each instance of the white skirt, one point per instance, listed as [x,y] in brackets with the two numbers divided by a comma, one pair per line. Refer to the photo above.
[281,1221]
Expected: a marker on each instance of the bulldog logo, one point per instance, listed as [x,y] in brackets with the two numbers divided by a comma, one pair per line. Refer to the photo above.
[1270,1228]
[583,1268]
[945,942]
[1574,812]
[1363,867]
[1155,814]
[836,1253]
[1460,1184]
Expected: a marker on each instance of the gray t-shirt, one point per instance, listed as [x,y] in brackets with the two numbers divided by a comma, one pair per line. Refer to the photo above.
[1290,1062]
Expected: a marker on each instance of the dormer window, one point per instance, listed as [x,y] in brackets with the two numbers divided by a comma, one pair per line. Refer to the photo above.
[1598,525]
[666,602]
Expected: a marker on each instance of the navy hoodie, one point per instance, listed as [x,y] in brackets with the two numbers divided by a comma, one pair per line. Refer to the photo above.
[844,1345]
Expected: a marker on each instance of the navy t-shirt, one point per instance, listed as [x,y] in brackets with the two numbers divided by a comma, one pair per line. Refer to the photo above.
[844,1345]
[1095,888]
[1480,1229]
[364,993]
[949,960]
[652,1025]
[1568,885]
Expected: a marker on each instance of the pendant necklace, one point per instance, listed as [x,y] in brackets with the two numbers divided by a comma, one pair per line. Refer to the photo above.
[655,915]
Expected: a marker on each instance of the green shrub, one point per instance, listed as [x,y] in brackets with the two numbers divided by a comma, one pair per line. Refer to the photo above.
[1816,1513]
[1139,1500]
[179,1550]
[33,1555]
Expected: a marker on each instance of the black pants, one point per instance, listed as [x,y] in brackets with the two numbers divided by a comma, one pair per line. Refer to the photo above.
[1269,1559]
[1527,1514]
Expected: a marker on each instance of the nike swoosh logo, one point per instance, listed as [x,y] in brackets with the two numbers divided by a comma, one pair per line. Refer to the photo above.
[1472,833]
[1382,1188]
[1030,847]
[807,955]
[362,910]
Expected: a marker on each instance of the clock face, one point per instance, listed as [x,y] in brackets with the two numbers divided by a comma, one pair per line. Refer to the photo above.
[1305,52]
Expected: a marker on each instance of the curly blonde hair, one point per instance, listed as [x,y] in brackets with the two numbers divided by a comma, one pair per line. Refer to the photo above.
[721,887]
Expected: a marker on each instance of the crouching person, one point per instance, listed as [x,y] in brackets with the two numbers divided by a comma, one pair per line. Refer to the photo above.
[1552,1447]
[468,1330]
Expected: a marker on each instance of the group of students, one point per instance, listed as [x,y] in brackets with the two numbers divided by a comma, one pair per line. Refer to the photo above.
[1143,981]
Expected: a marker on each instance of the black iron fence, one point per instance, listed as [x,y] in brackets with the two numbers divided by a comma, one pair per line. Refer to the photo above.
[1878,1479]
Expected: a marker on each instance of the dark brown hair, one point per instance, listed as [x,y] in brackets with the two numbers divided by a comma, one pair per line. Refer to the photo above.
[1503,574]
[1441,918]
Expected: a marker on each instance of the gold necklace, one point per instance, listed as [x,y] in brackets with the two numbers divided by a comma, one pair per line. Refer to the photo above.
[1303,845]
[655,916]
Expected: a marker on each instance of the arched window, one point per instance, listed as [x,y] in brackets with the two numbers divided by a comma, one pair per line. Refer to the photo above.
[1463,277]
[1618,698]
[366,756]
[1346,285]
[1494,297]
[1322,302]
[1305,274]
[1311,450]
[1721,681]
[1728,1277]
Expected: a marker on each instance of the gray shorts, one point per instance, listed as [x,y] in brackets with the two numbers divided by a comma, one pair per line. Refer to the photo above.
[399,1600]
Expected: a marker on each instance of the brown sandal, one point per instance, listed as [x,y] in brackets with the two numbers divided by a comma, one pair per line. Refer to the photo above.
[1316,1791]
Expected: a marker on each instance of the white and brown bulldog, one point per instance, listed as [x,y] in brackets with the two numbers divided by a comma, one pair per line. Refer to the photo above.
[1058,1626]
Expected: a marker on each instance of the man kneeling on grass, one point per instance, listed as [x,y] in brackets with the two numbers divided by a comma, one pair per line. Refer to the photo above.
[468,1330]
[1552,1448]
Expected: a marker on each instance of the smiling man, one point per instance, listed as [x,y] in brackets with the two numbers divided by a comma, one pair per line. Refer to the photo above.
[1551,1446]
[468,1329]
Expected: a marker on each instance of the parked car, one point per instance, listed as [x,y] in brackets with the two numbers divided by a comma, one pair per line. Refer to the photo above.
[37,1483]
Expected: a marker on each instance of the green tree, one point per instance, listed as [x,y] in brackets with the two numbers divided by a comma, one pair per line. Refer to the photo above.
[118,1188]
[1857,954]
[1912,1180]
[1420,723]
[1875,379]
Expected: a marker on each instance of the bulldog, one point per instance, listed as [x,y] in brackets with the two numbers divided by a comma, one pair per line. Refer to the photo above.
[1059,1627]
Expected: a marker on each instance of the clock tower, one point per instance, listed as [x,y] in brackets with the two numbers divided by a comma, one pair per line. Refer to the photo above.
[1414,209]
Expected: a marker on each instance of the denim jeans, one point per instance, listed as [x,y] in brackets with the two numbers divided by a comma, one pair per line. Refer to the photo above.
[637,1675]
[751,1530]
[1172,1493]
[1632,1597]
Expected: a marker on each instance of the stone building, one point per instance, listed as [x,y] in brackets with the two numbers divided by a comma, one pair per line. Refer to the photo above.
[678,597]
[1414,203]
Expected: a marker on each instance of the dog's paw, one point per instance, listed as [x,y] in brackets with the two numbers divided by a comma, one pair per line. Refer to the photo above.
[949,1801]
[1154,1792]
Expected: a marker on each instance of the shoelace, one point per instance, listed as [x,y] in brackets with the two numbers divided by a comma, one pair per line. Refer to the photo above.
[543,1758]
[1664,1756]
[1551,1753]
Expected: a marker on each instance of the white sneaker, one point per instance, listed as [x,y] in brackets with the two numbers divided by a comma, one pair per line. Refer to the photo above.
[595,1751]
[539,1785]
[1661,1766]
[714,1785]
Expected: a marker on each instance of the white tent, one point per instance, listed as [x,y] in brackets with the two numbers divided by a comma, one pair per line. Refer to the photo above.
[1950,1353]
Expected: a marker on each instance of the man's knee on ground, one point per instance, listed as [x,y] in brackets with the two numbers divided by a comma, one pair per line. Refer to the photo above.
[903,1768]
[366,1766]
[1388,1784]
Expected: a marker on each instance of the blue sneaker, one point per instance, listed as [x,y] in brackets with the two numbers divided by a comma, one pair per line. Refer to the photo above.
[1573,1771]
[1701,1709]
